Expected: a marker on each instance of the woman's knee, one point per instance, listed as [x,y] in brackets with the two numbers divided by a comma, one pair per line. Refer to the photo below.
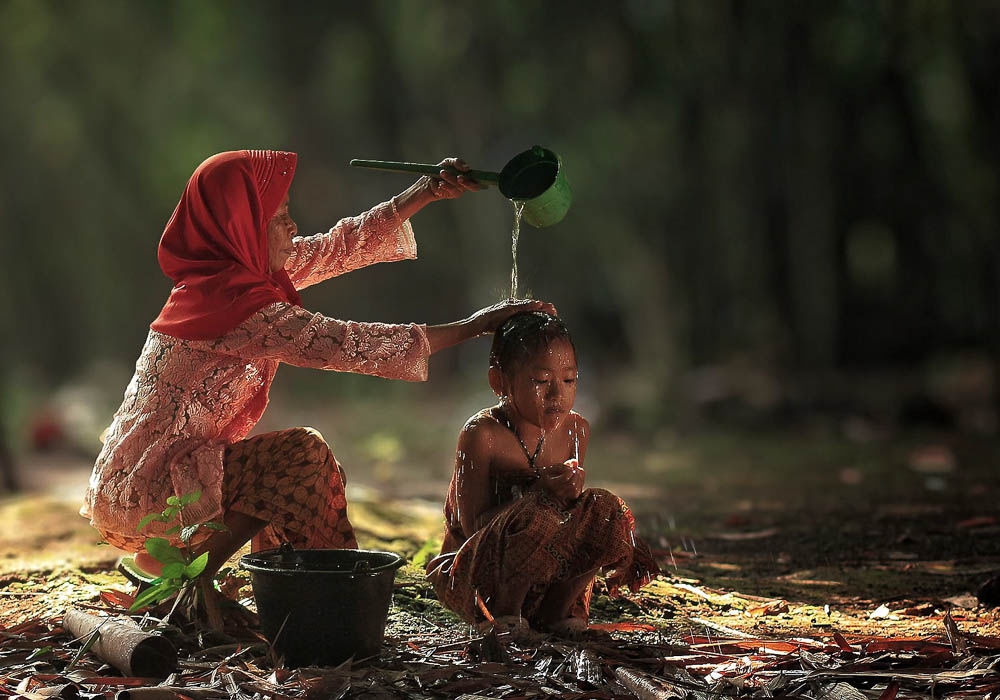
[307,436]
[310,441]
[319,451]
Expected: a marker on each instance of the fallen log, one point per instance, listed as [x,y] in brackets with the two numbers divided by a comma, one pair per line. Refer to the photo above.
[647,687]
[170,692]
[123,645]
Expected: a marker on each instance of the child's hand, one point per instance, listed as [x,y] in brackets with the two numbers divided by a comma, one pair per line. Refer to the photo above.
[562,481]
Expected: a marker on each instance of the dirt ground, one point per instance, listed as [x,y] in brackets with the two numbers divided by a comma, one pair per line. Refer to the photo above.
[792,537]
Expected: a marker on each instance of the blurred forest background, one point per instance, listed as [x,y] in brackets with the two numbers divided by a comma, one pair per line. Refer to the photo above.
[784,214]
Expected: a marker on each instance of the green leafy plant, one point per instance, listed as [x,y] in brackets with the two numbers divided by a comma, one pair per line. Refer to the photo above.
[180,568]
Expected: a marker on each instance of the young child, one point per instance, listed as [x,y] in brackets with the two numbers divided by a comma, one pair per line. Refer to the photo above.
[523,540]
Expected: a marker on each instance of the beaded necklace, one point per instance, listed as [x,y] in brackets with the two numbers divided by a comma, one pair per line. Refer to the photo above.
[530,456]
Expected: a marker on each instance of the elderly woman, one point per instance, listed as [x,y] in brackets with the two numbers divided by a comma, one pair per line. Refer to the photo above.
[234,314]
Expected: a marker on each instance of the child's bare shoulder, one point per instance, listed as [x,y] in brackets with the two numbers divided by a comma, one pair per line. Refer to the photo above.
[580,423]
[482,425]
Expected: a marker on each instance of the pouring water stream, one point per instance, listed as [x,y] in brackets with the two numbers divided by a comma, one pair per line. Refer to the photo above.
[514,234]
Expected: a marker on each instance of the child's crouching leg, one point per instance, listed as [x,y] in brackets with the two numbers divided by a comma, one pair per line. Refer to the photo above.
[507,600]
[555,612]
[627,559]
[505,608]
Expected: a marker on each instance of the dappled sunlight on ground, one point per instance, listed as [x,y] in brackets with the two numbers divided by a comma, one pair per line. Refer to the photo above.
[780,534]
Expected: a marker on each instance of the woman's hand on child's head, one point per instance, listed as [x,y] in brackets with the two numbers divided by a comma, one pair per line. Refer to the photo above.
[483,321]
[449,184]
[492,317]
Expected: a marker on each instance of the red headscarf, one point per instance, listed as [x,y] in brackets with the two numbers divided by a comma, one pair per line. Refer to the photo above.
[214,247]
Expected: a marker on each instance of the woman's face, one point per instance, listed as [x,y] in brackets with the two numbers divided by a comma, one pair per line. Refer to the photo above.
[280,230]
[542,391]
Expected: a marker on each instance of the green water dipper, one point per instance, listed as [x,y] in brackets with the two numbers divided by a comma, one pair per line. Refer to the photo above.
[534,177]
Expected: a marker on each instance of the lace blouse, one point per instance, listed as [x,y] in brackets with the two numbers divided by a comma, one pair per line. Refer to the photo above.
[189,399]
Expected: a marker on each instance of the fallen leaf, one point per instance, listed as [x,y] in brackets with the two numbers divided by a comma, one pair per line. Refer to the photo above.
[622,627]
[773,607]
[966,601]
[116,598]
[880,613]
[740,536]
[890,691]
[921,610]
[932,459]
[912,644]
[851,476]
[842,642]
[978,521]
[955,635]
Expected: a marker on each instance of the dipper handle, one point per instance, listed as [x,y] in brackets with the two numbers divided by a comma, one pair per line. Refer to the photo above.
[484,177]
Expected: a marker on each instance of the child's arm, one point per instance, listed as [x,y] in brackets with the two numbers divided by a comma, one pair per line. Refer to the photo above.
[472,475]
[580,433]
[565,481]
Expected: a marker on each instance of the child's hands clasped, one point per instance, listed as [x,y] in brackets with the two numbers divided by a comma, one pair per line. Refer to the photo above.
[564,481]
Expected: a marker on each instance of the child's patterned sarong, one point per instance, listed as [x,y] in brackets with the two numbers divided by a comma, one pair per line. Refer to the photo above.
[538,539]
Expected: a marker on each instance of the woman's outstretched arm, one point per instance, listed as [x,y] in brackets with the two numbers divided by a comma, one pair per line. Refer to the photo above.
[483,321]
[293,335]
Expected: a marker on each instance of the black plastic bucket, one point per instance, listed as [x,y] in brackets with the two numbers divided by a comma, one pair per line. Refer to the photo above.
[323,606]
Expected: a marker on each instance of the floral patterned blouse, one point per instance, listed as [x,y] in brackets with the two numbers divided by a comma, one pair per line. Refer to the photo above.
[189,399]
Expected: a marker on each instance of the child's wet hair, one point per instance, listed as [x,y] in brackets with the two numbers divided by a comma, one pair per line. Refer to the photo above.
[524,335]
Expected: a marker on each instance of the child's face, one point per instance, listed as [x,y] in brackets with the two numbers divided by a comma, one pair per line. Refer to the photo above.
[542,390]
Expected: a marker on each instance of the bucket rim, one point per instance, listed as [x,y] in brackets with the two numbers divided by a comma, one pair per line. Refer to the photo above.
[258,562]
